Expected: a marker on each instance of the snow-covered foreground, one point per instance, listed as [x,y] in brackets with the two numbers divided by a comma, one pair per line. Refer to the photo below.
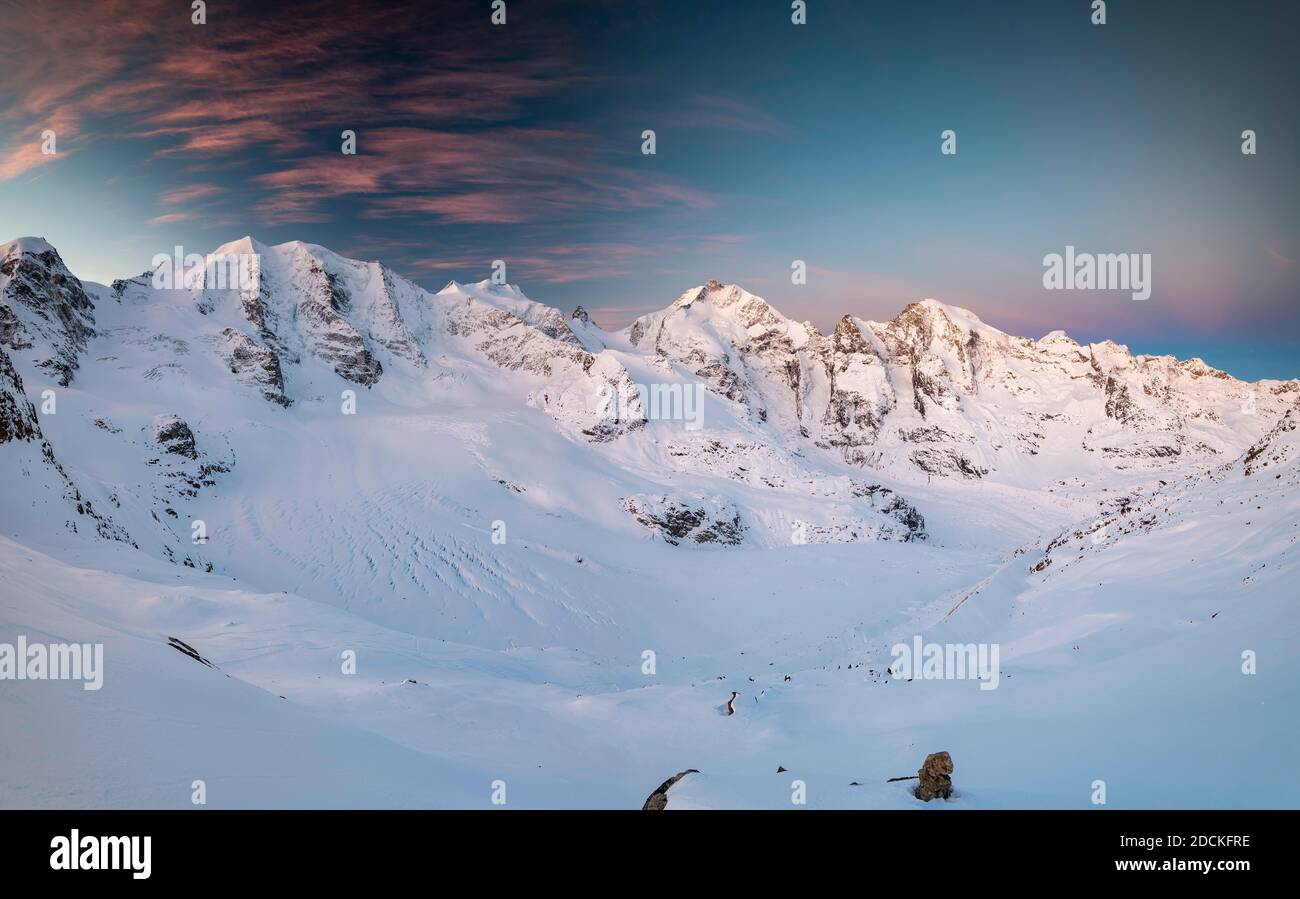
[541,597]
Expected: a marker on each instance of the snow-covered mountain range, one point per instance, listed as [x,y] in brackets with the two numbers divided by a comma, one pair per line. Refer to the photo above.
[501,509]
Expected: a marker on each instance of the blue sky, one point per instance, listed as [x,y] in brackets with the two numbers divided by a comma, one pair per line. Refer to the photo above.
[775,142]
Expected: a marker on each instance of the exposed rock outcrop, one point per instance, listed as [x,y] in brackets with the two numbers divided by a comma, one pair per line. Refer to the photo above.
[28,454]
[676,521]
[658,800]
[330,336]
[254,365]
[17,415]
[935,777]
[174,436]
[181,646]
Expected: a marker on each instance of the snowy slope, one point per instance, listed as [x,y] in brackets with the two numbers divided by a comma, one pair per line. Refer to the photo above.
[436,482]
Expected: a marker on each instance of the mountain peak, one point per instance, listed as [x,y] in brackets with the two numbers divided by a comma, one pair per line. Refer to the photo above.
[485,290]
[244,246]
[1198,367]
[932,308]
[487,285]
[721,296]
[35,245]
[44,310]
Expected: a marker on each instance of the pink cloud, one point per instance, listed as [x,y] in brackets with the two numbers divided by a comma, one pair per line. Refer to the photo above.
[26,150]
[1277,258]
[270,90]
[505,176]
[182,195]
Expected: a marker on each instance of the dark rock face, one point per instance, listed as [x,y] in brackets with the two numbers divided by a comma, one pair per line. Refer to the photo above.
[944,462]
[636,332]
[912,333]
[517,345]
[175,436]
[720,375]
[19,425]
[926,387]
[338,343]
[303,311]
[677,522]
[935,776]
[658,800]
[551,323]
[389,330]
[254,364]
[1271,448]
[253,302]
[581,315]
[44,308]
[847,339]
[321,302]
[897,508]
[17,415]
[12,333]
[181,646]
[854,420]
[1119,405]
[607,431]
[908,516]
[851,419]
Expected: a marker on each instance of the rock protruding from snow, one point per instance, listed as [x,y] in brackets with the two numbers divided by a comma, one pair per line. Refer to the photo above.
[181,646]
[658,800]
[174,436]
[710,521]
[936,777]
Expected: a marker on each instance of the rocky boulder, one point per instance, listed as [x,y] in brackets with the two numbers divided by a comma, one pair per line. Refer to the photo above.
[935,776]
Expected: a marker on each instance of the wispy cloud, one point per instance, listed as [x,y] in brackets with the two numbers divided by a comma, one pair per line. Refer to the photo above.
[507,175]
[728,113]
[171,218]
[1277,258]
[272,91]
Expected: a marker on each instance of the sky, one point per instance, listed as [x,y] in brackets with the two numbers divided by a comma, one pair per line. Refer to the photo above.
[774,142]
